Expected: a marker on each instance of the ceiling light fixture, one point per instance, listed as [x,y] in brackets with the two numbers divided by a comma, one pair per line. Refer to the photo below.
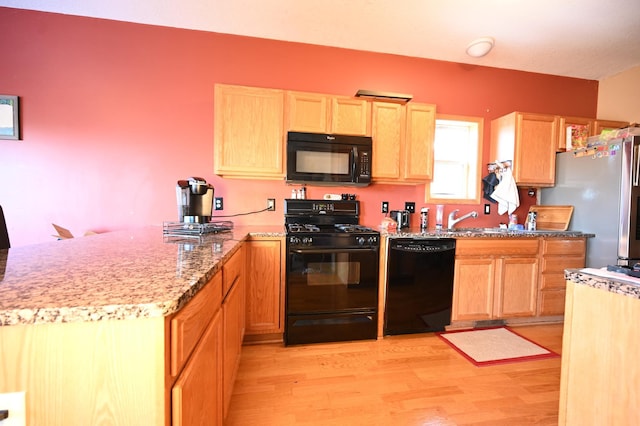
[480,47]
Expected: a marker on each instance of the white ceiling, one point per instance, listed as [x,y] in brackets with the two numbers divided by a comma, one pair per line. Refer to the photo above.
[590,39]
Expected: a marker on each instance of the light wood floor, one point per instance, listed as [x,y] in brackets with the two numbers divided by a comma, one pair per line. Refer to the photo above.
[400,380]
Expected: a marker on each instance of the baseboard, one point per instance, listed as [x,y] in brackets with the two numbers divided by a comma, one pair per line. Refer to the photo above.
[256,339]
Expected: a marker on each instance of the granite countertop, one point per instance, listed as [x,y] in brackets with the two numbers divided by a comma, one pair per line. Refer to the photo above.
[481,233]
[117,275]
[137,273]
[605,280]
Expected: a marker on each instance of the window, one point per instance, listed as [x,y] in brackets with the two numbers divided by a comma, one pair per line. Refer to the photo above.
[457,154]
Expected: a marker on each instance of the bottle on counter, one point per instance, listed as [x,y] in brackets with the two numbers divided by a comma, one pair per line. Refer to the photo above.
[531,221]
[439,216]
[424,218]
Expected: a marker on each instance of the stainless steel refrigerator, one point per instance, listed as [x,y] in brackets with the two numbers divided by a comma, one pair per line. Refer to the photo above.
[604,190]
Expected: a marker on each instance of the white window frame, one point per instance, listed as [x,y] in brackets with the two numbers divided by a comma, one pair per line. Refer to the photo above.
[471,167]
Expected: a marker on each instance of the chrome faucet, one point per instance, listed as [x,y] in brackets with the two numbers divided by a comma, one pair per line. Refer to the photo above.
[452,220]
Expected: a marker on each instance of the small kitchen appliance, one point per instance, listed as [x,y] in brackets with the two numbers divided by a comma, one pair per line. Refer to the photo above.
[195,200]
[401,217]
[329,159]
[332,272]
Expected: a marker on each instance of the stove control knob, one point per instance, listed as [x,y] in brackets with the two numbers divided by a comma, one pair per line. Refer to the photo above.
[307,241]
[294,240]
[372,240]
[360,240]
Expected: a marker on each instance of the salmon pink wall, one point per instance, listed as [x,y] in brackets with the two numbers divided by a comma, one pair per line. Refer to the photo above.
[114,113]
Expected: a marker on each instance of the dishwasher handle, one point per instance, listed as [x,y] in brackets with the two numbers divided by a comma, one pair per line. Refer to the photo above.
[419,245]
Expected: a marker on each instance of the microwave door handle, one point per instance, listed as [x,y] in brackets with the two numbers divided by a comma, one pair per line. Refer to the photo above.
[354,166]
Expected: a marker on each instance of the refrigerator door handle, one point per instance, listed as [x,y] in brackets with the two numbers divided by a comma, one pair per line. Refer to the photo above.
[636,165]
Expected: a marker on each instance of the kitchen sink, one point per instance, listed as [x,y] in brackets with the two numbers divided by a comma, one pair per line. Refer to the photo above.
[495,230]
[480,230]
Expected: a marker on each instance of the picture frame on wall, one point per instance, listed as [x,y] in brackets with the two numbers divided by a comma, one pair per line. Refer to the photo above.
[9,117]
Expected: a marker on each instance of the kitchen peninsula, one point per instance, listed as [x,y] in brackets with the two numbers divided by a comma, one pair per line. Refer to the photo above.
[600,371]
[100,329]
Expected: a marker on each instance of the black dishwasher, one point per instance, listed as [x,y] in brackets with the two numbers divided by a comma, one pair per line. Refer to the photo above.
[419,285]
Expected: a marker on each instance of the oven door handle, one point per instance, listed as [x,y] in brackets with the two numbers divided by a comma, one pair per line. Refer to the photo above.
[333,250]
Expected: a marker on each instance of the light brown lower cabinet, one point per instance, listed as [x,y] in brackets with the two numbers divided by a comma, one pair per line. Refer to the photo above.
[495,278]
[202,391]
[513,278]
[556,255]
[196,397]
[233,313]
[265,277]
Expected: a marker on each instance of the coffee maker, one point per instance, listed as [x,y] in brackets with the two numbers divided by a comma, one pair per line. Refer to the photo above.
[195,200]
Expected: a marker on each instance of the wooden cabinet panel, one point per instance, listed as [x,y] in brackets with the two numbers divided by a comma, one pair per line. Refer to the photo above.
[556,255]
[307,112]
[233,270]
[516,288]
[473,289]
[387,131]
[420,133]
[233,311]
[552,302]
[552,269]
[350,116]
[530,140]
[196,397]
[535,151]
[600,125]
[564,247]
[190,322]
[496,246]
[265,286]
[249,132]
[573,132]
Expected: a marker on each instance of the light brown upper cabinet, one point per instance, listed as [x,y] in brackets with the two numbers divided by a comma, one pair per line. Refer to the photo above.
[574,132]
[320,113]
[582,128]
[249,132]
[600,125]
[530,141]
[402,142]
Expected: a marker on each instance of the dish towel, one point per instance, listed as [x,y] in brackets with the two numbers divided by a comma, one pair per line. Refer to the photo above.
[506,193]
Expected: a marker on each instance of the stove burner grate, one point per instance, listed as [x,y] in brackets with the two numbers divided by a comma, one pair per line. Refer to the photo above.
[298,227]
[352,228]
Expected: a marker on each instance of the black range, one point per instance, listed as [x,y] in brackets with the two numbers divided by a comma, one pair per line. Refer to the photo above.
[332,273]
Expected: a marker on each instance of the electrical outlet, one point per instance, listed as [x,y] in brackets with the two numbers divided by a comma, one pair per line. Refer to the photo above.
[271,204]
[487,208]
[217,203]
[410,206]
[15,404]
[385,207]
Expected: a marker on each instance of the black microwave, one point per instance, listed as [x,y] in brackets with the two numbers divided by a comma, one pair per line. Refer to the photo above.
[324,159]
